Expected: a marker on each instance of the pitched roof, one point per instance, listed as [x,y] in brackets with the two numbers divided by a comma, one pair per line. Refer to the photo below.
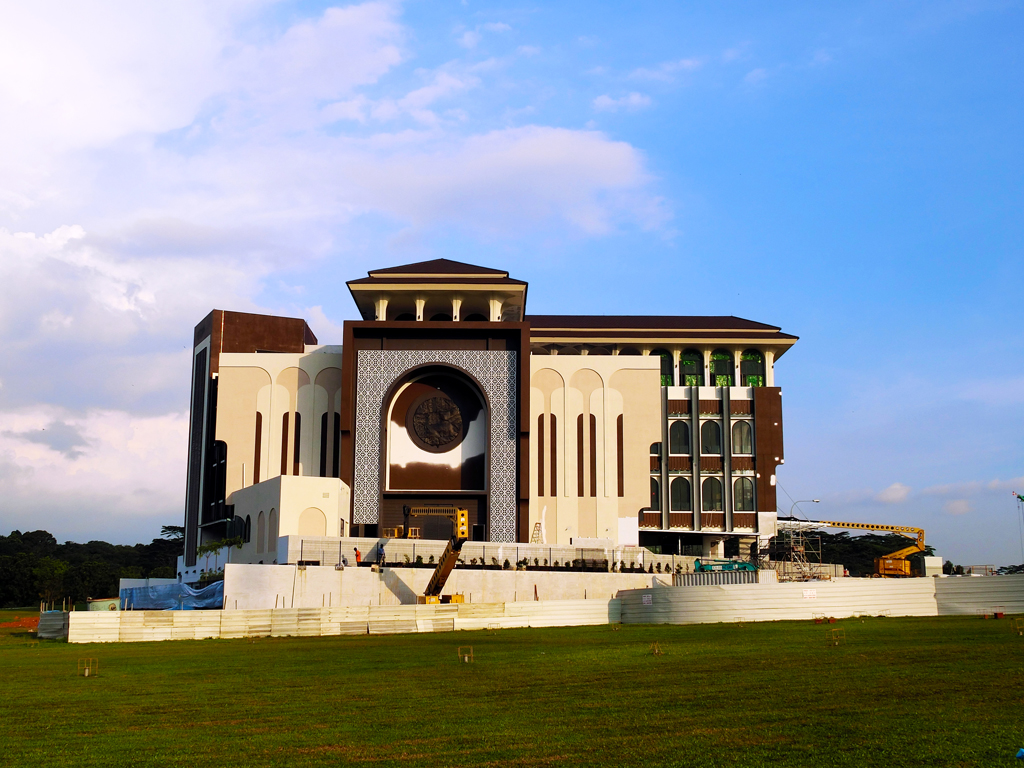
[648,322]
[438,267]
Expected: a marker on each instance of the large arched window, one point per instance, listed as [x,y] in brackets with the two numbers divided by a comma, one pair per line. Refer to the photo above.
[751,368]
[475,317]
[441,317]
[247,533]
[679,491]
[741,437]
[691,368]
[655,494]
[656,449]
[723,368]
[629,351]
[668,378]
[711,438]
[261,534]
[711,494]
[679,439]
[743,494]
[405,317]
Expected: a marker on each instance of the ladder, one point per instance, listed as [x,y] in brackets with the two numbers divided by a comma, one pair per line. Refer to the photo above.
[536,537]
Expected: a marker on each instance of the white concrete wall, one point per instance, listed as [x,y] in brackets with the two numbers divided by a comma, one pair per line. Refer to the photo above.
[289,586]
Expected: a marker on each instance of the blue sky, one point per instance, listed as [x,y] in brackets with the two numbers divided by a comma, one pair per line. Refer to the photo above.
[850,172]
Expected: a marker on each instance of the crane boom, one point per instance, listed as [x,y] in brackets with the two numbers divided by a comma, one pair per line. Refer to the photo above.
[895,563]
[460,532]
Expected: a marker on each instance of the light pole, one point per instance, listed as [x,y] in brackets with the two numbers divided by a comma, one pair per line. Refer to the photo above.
[802,501]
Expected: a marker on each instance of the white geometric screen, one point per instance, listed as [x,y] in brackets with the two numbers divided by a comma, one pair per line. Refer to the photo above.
[496,371]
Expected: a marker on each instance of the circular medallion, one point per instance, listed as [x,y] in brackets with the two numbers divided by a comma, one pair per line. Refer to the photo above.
[435,423]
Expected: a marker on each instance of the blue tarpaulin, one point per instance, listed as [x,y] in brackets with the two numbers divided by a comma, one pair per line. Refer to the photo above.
[172,597]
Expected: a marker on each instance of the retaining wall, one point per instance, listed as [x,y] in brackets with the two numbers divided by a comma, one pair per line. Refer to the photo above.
[137,626]
[290,586]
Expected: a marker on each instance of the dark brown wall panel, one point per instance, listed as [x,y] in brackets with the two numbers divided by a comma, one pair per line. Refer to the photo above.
[767,443]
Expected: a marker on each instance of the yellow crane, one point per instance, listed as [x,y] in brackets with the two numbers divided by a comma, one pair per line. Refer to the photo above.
[895,563]
[460,533]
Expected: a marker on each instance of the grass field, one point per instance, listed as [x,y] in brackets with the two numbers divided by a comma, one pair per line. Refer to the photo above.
[901,692]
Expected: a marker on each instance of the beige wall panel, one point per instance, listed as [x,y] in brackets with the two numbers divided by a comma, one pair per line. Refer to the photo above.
[641,411]
[238,398]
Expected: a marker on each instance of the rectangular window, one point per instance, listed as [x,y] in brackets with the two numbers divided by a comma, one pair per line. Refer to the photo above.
[620,461]
[323,445]
[257,452]
[284,444]
[540,455]
[579,455]
[295,459]
[554,455]
[593,455]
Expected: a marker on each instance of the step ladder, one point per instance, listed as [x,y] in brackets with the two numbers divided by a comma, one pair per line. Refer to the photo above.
[536,537]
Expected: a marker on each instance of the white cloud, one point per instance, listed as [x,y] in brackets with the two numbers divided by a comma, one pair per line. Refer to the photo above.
[667,71]
[496,27]
[755,76]
[528,50]
[631,102]
[957,507]
[470,39]
[108,467]
[894,494]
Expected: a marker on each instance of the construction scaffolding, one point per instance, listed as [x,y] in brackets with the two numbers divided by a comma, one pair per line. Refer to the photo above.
[795,556]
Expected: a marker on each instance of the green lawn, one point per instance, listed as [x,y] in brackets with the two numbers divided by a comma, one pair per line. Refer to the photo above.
[901,692]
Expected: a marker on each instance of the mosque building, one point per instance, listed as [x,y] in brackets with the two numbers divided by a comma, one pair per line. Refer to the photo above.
[659,431]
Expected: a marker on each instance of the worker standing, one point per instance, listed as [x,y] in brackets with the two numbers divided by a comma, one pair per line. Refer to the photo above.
[359,555]
[380,554]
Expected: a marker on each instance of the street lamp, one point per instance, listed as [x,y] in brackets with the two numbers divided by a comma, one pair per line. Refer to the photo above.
[802,501]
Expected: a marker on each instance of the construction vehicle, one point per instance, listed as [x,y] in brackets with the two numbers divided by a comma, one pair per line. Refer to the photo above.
[895,564]
[704,565]
[460,533]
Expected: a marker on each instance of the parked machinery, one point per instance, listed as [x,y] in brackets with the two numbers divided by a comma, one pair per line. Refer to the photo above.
[460,533]
[895,564]
[704,564]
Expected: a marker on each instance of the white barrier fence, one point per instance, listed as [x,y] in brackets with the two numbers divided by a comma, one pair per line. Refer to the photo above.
[841,598]
[138,626]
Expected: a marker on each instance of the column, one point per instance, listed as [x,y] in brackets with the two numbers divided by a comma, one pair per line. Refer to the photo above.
[420,303]
[495,305]
[769,368]
[456,307]
[381,309]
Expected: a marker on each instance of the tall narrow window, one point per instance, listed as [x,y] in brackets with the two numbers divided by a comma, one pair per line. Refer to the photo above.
[295,459]
[667,366]
[284,444]
[722,368]
[579,455]
[323,445]
[540,455]
[711,438]
[741,437]
[619,459]
[679,493]
[752,368]
[261,534]
[336,455]
[679,439]
[247,531]
[655,495]
[743,494]
[711,494]
[554,455]
[258,451]
[691,368]
[593,455]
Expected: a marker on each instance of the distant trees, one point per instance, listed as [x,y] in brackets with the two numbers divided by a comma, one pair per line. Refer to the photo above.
[857,553]
[34,567]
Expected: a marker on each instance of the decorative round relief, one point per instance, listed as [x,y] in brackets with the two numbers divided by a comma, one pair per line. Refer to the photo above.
[435,423]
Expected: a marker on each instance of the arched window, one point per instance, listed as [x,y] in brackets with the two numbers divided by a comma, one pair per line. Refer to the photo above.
[656,449]
[668,378]
[711,494]
[441,317]
[406,316]
[691,368]
[723,368]
[629,351]
[741,437]
[679,492]
[751,368]
[711,438]
[247,533]
[261,533]
[272,532]
[679,439]
[655,494]
[743,494]
[475,317]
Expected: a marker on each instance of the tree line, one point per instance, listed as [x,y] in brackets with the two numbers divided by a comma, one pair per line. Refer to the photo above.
[35,567]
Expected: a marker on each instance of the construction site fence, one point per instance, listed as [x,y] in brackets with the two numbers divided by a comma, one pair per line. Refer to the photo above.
[411,552]
[140,626]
